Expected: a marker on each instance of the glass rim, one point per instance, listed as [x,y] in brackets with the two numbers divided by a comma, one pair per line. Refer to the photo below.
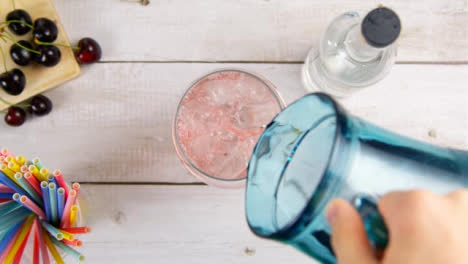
[192,168]
[317,200]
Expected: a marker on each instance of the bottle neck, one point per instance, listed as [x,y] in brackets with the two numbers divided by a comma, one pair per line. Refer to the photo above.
[357,47]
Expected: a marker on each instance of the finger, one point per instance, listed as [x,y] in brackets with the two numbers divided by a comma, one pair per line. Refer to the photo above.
[349,239]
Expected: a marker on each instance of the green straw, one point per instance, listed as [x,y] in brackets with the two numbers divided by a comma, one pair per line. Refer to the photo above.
[53,203]
[13,217]
[8,207]
[28,188]
[52,230]
[70,251]
[37,162]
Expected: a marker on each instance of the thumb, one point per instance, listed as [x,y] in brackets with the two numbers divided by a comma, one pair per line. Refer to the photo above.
[349,237]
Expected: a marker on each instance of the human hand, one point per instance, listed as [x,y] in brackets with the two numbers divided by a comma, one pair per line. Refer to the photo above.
[423,228]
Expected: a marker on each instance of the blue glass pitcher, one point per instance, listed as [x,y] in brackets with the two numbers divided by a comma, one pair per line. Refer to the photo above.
[313,151]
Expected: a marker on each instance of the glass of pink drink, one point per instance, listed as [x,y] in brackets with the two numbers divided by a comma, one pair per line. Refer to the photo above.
[218,122]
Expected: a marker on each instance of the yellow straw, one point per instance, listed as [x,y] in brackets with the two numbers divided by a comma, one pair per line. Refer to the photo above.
[21,237]
[8,159]
[9,173]
[44,172]
[20,160]
[52,249]
[13,166]
[73,215]
[66,235]
[36,173]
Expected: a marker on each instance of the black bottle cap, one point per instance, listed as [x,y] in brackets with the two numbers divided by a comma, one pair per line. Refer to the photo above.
[381,27]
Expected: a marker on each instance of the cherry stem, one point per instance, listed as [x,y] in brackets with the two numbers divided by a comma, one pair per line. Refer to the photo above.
[4,59]
[14,5]
[17,43]
[38,42]
[24,106]
[17,21]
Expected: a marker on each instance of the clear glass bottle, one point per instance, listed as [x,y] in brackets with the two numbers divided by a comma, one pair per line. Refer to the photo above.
[353,53]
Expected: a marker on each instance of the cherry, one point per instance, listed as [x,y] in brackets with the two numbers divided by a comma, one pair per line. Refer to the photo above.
[13,82]
[40,105]
[49,55]
[45,30]
[20,55]
[88,51]
[15,116]
[19,28]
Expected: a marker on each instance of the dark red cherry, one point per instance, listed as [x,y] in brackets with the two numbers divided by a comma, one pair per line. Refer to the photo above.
[40,105]
[89,51]
[15,116]
[19,28]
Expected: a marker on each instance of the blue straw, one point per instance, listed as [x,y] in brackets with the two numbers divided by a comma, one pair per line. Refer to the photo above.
[51,178]
[5,195]
[9,235]
[28,188]
[53,202]
[11,184]
[46,199]
[5,208]
[52,230]
[60,202]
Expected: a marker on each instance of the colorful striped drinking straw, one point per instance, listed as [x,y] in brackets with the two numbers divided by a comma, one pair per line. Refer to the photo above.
[33,201]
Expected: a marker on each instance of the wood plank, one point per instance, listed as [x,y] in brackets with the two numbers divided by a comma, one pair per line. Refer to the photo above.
[269,30]
[175,224]
[114,123]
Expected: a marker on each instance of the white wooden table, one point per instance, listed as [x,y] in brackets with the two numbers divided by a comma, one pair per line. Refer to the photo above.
[111,128]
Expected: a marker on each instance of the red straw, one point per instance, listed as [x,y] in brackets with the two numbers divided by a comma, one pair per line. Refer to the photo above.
[4,200]
[5,252]
[75,243]
[36,245]
[77,230]
[33,182]
[65,221]
[5,189]
[61,182]
[44,253]
[25,201]
[19,254]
